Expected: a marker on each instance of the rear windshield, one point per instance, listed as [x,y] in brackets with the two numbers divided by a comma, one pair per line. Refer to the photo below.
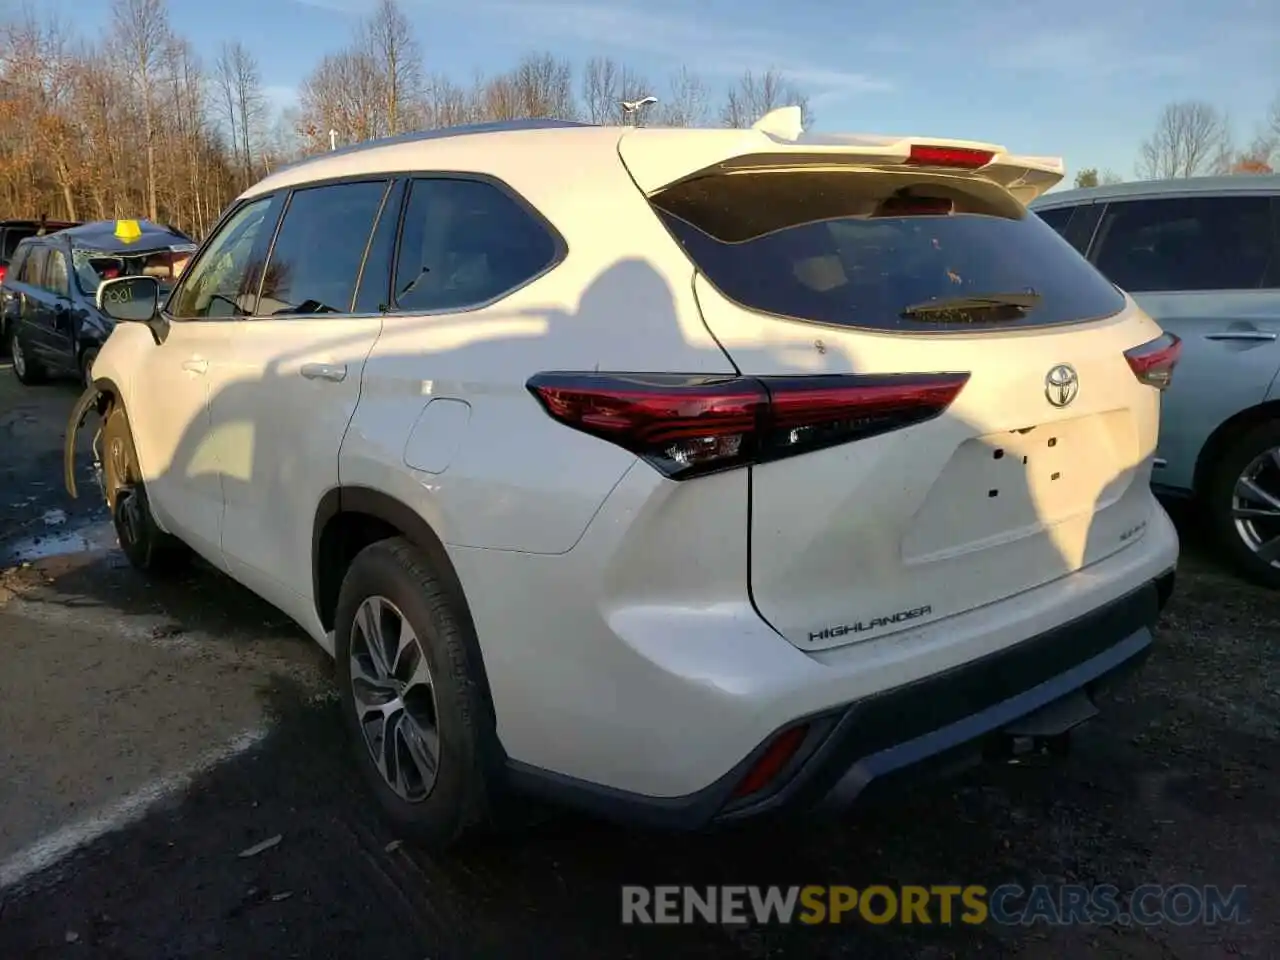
[12,237]
[907,252]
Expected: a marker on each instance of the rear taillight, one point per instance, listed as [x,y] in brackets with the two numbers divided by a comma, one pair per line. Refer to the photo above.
[690,425]
[924,155]
[3,271]
[1153,362]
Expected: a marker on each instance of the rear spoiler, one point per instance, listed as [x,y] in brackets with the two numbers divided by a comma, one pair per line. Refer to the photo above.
[777,137]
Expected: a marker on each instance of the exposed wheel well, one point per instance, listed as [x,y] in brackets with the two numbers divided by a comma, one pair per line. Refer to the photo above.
[344,535]
[1226,432]
[348,519]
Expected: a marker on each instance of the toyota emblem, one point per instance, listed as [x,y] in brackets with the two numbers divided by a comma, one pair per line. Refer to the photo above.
[1061,384]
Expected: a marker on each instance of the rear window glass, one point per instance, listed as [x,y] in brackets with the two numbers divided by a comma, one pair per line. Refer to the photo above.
[883,251]
[14,236]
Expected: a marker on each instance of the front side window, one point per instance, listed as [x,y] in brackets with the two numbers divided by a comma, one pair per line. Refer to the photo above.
[1187,243]
[223,282]
[55,274]
[315,261]
[465,243]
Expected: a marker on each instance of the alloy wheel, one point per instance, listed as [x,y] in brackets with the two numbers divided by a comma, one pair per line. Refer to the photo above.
[1255,506]
[19,359]
[395,699]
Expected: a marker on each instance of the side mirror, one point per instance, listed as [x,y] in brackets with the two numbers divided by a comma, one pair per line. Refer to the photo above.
[132,299]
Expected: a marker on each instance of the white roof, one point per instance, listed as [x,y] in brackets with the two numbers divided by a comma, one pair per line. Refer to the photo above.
[656,156]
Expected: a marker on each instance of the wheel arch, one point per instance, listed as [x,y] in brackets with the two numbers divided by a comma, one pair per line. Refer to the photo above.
[348,519]
[109,393]
[1224,434]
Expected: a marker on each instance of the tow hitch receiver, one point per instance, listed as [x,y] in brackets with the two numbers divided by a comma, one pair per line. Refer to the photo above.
[1048,730]
[88,401]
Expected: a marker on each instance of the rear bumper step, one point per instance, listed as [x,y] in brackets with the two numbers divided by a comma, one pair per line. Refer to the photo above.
[1027,696]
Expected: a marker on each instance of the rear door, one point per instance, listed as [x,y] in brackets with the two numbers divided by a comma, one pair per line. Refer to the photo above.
[285,384]
[1207,268]
[11,297]
[36,326]
[59,320]
[1038,468]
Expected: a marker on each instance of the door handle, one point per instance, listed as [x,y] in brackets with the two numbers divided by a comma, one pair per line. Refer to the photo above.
[1256,336]
[195,365]
[335,372]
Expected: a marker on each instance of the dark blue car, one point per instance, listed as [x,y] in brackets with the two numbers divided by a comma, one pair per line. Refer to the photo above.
[50,317]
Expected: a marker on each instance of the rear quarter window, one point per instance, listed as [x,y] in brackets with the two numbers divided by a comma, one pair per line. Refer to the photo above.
[12,237]
[14,271]
[856,249]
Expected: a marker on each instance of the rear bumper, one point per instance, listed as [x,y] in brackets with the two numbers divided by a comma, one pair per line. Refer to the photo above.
[933,725]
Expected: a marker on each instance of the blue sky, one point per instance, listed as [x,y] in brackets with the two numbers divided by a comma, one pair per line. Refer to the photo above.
[1083,79]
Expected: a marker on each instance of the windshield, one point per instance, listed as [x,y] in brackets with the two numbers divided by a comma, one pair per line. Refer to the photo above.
[94,266]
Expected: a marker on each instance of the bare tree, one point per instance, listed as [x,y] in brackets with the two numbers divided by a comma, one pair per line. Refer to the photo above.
[1109,177]
[1191,138]
[224,76]
[43,69]
[687,104]
[497,98]
[447,104]
[142,30]
[544,87]
[605,84]
[242,100]
[343,93]
[754,95]
[393,48]
[1257,157]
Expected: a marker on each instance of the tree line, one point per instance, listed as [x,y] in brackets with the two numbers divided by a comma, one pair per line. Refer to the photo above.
[137,123]
[1193,138]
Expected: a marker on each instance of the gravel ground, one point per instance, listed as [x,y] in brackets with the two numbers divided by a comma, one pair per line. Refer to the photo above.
[109,685]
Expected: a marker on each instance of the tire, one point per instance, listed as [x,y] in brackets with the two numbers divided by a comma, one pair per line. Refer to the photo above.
[1250,542]
[86,366]
[437,803]
[25,368]
[147,547]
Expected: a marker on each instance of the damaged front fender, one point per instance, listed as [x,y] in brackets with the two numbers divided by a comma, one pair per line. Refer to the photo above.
[89,400]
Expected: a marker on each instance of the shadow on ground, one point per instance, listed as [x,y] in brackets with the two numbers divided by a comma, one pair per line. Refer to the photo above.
[1174,783]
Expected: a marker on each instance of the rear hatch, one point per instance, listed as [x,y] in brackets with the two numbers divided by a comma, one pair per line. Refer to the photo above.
[887,256]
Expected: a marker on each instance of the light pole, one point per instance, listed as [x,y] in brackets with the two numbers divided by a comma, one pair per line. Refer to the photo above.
[631,109]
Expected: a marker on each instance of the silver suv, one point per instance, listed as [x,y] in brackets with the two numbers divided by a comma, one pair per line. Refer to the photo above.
[1202,257]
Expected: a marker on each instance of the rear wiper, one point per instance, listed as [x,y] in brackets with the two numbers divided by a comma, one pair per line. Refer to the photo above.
[1022,301]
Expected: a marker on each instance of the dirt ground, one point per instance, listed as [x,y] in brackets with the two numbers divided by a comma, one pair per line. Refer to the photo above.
[109,684]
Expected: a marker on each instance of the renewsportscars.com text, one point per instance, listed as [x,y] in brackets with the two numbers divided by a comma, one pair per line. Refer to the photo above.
[1008,904]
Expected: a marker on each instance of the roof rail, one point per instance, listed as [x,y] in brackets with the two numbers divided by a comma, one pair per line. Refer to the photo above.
[441,133]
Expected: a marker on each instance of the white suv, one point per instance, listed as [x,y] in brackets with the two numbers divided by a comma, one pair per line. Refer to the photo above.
[681,474]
